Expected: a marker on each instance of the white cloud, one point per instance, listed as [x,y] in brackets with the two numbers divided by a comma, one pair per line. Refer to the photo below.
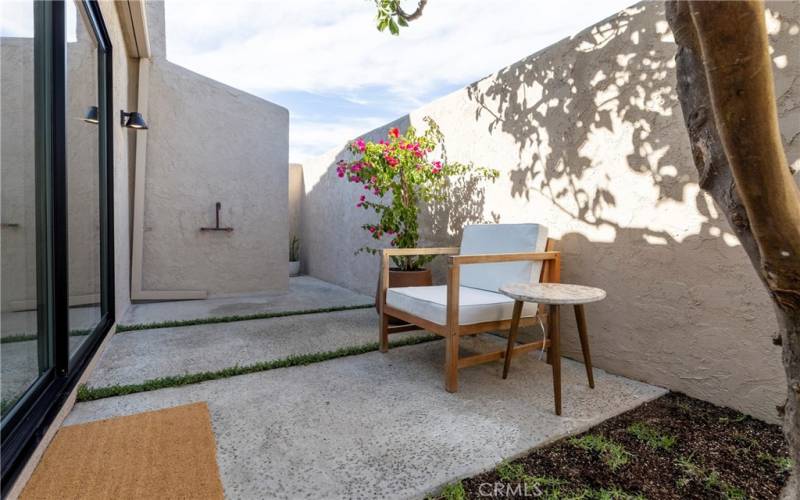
[310,138]
[332,46]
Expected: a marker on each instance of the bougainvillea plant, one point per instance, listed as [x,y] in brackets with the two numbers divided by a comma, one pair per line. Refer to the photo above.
[398,174]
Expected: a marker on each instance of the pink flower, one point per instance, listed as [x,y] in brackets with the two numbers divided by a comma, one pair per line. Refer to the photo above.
[361,145]
[372,229]
[437,167]
[363,197]
[340,171]
[394,132]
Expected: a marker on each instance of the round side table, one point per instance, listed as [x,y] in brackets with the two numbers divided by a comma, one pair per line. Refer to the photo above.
[555,295]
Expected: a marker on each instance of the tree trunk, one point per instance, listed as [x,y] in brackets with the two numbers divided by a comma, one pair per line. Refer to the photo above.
[726,92]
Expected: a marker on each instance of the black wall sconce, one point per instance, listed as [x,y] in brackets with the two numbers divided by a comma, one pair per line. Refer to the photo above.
[134,120]
[91,115]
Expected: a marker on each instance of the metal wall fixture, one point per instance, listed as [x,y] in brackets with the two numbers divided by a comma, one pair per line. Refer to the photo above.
[132,120]
[217,226]
[92,115]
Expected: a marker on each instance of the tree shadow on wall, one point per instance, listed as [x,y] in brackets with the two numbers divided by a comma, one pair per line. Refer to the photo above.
[611,86]
[442,223]
[612,80]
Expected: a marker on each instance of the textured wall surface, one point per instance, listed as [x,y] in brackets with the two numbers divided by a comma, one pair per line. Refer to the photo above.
[296,192]
[17,173]
[211,143]
[589,138]
[124,91]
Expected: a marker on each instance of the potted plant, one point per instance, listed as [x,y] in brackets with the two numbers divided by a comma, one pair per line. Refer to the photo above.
[398,174]
[294,256]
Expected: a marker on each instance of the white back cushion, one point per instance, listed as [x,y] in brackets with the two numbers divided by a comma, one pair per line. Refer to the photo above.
[501,238]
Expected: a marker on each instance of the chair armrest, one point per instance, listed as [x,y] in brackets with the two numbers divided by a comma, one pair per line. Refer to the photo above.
[458,260]
[394,252]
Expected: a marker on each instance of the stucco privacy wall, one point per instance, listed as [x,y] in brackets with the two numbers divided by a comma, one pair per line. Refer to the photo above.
[589,139]
[296,193]
[124,91]
[211,143]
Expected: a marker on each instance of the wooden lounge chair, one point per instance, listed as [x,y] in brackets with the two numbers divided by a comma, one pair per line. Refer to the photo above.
[490,256]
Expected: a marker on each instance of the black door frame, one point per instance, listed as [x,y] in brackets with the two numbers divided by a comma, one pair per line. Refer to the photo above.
[25,425]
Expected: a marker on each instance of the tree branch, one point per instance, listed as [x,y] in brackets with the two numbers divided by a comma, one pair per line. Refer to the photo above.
[735,49]
[414,15]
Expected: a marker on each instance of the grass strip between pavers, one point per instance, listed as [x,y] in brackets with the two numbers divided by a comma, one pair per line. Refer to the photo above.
[234,318]
[93,393]
[27,337]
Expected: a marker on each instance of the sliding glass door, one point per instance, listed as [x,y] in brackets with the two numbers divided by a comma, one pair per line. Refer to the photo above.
[24,352]
[56,295]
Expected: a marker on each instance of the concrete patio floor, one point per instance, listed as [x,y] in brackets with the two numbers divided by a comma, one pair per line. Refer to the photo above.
[133,357]
[305,293]
[381,425]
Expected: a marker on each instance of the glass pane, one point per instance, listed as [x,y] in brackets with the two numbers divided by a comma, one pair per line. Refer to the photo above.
[83,176]
[19,359]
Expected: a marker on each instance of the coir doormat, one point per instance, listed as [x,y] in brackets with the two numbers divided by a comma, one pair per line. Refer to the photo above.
[163,454]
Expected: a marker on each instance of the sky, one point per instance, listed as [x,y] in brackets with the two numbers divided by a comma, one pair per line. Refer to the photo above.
[337,74]
[339,77]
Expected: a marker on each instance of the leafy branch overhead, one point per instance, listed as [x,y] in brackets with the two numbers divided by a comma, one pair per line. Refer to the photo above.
[392,16]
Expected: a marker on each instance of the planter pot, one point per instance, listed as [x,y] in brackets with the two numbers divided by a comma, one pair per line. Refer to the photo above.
[294,268]
[399,279]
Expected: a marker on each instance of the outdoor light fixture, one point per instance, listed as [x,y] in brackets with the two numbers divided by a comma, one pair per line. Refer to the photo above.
[91,115]
[134,120]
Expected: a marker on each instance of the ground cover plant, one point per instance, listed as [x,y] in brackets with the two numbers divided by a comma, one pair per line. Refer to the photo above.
[675,447]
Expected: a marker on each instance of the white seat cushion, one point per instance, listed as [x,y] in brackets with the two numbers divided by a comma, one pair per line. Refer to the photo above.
[481,239]
[475,305]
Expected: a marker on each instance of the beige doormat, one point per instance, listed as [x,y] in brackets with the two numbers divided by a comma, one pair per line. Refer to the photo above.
[165,454]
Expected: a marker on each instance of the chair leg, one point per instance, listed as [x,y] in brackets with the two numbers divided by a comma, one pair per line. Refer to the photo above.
[580,318]
[555,347]
[383,333]
[549,354]
[451,363]
[512,336]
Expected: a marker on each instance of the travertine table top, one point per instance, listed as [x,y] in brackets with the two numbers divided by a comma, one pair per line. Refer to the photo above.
[553,293]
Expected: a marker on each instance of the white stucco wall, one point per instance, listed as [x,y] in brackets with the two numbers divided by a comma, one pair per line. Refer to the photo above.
[209,143]
[589,138]
[124,95]
[296,193]
[17,173]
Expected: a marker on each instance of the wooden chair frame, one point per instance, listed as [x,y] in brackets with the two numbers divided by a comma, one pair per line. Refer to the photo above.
[452,331]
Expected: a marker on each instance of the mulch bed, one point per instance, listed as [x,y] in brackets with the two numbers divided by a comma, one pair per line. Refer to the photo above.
[674,447]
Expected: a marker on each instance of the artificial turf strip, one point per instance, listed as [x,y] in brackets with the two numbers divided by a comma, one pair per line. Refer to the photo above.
[234,318]
[28,337]
[90,394]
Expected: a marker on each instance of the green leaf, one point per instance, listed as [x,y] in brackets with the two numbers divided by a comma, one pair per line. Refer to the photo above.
[393,27]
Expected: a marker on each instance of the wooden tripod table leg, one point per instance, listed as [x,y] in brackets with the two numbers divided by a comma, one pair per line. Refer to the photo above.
[555,349]
[580,318]
[512,336]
